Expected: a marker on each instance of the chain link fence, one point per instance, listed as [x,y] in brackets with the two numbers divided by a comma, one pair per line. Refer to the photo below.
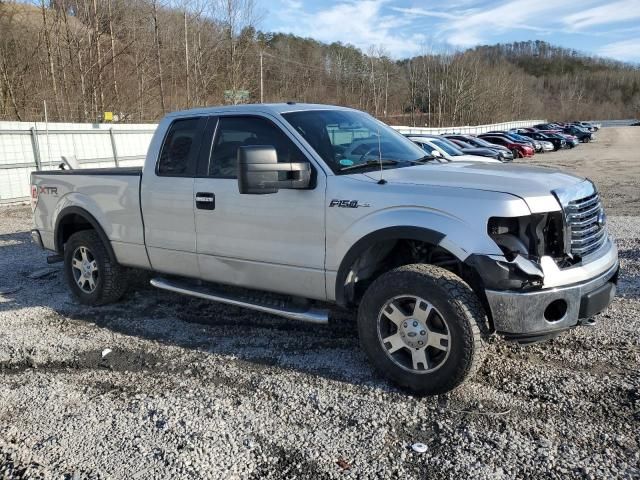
[25,147]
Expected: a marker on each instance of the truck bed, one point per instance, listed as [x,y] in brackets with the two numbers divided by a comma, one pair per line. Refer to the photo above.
[110,195]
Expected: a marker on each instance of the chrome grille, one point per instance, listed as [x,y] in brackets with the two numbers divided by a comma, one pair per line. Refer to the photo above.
[586,231]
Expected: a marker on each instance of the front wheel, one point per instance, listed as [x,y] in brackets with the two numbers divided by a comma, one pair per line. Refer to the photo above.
[94,279]
[420,326]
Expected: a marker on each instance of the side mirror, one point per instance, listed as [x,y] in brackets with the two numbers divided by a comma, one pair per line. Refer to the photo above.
[436,153]
[260,173]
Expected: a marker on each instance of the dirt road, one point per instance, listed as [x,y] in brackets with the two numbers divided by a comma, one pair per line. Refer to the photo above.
[612,162]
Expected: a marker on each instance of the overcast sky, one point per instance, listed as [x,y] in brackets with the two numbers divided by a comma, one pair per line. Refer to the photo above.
[408,27]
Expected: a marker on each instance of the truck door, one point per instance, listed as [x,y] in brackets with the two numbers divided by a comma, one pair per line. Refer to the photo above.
[272,242]
[167,199]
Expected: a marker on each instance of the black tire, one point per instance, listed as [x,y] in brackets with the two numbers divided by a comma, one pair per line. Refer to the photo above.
[110,278]
[456,303]
[516,153]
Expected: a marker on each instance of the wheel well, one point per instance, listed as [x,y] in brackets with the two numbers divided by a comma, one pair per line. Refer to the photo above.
[74,219]
[385,255]
[69,225]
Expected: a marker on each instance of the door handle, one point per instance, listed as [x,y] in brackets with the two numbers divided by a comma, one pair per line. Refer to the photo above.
[205,201]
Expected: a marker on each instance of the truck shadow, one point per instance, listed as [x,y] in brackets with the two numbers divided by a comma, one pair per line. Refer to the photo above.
[331,351]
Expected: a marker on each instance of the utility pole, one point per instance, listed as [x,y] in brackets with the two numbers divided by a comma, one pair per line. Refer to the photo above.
[46,126]
[386,95]
[261,79]
[186,55]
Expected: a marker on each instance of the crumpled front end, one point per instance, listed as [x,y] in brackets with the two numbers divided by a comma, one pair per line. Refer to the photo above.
[539,292]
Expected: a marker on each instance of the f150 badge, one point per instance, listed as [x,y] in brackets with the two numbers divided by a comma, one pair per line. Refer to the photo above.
[348,204]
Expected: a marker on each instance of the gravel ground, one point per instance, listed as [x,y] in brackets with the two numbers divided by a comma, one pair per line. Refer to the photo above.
[192,389]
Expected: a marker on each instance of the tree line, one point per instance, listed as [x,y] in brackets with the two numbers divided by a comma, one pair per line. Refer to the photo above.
[143,58]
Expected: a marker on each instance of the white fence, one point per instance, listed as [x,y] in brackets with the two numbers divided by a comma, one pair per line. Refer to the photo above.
[468,129]
[25,147]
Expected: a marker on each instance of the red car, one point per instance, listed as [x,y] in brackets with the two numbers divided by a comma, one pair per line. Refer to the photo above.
[519,150]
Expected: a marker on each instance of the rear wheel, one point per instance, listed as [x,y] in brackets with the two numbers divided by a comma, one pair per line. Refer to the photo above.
[94,279]
[420,326]
[516,153]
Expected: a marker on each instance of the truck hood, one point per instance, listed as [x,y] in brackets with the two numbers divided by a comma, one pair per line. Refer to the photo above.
[533,184]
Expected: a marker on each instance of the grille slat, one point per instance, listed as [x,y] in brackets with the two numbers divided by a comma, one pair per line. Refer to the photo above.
[587,202]
[585,230]
[590,239]
[588,221]
[585,213]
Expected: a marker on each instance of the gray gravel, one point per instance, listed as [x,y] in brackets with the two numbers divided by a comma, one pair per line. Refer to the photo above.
[192,389]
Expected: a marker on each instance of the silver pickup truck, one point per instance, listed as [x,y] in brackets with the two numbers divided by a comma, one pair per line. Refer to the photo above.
[292,209]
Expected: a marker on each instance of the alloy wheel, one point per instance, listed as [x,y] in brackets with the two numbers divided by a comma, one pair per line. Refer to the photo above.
[414,334]
[85,269]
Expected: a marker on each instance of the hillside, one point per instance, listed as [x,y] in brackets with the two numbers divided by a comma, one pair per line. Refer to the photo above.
[140,59]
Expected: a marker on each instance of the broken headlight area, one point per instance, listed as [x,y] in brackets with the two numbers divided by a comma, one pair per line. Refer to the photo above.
[532,236]
[523,241]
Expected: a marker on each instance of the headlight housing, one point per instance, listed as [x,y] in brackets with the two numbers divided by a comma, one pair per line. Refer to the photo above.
[532,236]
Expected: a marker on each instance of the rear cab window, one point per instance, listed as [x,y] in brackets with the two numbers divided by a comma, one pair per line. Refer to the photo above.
[179,152]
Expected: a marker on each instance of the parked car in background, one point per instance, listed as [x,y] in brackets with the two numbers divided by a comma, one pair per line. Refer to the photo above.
[469,149]
[588,125]
[570,140]
[546,146]
[556,141]
[518,138]
[438,146]
[548,126]
[580,133]
[518,149]
[506,155]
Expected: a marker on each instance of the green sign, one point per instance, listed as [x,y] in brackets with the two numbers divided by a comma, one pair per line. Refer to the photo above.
[236,96]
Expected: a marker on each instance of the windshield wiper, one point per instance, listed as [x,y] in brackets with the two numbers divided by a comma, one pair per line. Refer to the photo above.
[370,163]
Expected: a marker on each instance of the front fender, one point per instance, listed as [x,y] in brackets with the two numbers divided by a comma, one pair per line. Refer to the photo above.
[438,228]
[452,233]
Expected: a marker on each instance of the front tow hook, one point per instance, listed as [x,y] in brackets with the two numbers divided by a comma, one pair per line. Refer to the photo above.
[587,322]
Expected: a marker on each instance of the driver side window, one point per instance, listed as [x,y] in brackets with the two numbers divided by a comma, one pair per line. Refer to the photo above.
[235,132]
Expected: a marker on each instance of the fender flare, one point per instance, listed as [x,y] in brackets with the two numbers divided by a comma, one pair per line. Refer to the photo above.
[81,212]
[390,233]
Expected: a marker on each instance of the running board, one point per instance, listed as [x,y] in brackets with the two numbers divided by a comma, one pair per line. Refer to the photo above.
[293,312]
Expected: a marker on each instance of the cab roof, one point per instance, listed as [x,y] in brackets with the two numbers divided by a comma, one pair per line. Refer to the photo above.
[272,108]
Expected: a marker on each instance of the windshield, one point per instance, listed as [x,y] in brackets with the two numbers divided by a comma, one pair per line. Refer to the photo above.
[447,146]
[345,139]
[483,143]
[461,144]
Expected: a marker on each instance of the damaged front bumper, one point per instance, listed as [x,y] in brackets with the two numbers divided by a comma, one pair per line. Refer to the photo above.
[529,306]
